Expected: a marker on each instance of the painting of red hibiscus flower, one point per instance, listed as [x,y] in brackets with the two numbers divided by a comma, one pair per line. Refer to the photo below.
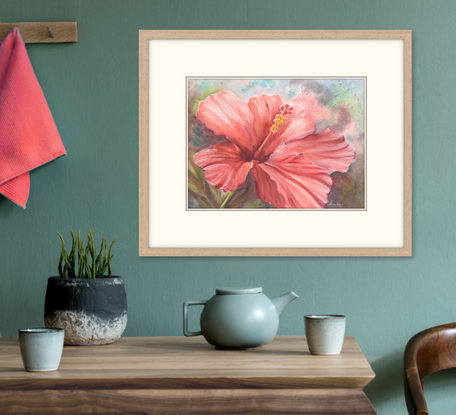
[276,143]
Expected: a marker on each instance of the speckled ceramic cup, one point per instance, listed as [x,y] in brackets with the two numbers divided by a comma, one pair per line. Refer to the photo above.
[325,333]
[41,348]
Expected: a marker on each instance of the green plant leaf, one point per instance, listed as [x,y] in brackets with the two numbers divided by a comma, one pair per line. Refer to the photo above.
[109,258]
[256,205]
[69,265]
[241,198]
[227,199]
[83,262]
[202,200]
[195,186]
[61,270]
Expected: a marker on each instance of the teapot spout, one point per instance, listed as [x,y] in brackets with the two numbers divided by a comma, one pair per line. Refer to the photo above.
[281,302]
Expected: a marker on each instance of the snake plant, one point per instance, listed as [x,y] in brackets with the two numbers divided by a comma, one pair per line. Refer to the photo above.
[83,262]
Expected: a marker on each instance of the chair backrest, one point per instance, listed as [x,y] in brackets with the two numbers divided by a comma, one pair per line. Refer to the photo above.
[427,352]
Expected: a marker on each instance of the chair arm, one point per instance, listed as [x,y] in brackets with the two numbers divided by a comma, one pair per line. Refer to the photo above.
[414,395]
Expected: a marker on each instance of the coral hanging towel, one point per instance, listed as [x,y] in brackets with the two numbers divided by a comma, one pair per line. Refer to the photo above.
[28,135]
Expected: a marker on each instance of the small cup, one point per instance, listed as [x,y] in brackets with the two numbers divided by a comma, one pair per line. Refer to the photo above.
[325,333]
[41,348]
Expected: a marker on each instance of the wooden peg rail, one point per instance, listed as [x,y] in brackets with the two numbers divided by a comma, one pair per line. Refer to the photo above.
[42,32]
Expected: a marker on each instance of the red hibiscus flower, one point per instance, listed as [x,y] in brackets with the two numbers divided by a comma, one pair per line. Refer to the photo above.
[290,162]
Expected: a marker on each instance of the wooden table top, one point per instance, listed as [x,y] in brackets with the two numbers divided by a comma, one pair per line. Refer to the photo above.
[189,363]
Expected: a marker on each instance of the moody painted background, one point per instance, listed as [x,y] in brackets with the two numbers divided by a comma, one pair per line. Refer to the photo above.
[92,90]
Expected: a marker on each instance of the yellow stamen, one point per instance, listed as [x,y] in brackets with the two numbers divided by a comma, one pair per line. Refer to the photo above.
[278,121]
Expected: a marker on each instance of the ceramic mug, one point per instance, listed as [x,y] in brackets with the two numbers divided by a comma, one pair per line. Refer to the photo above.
[325,333]
[41,348]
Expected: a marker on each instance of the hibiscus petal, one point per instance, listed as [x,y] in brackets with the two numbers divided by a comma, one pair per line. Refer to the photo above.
[225,114]
[264,109]
[328,149]
[296,126]
[289,180]
[223,166]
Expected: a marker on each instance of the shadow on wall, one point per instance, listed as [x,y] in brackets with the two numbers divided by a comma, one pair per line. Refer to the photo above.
[6,206]
[388,385]
[439,390]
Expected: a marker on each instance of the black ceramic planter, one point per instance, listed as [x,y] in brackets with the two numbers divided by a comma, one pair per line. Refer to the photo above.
[91,311]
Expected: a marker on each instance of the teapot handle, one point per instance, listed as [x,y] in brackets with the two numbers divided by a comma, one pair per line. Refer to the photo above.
[186,331]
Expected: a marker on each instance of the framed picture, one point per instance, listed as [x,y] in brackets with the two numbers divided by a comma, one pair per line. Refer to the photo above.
[275,143]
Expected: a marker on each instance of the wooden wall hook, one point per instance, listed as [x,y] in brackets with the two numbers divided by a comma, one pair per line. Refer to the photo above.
[42,32]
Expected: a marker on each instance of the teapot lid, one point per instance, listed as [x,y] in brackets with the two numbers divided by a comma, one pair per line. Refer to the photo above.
[238,290]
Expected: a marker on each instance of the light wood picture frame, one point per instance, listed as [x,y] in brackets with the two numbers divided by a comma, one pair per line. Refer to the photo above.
[401,224]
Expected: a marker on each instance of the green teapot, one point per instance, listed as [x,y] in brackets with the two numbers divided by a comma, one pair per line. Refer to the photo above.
[239,318]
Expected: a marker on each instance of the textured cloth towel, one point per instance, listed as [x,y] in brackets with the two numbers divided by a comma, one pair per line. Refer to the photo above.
[28,135]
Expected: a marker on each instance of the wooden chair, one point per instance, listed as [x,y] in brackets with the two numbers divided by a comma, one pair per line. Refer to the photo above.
[427,352]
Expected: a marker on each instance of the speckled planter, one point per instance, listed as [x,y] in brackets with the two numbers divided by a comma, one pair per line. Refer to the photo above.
[91,311]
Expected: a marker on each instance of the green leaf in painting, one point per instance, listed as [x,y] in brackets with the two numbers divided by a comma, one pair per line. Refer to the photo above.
[258,204]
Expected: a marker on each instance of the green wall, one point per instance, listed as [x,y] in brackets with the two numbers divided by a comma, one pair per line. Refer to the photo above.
[92,90]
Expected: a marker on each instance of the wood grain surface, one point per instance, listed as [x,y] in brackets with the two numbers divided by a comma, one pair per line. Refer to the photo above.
[38,32]
[427,352]
[179,376]
[180,363]
[182,402]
